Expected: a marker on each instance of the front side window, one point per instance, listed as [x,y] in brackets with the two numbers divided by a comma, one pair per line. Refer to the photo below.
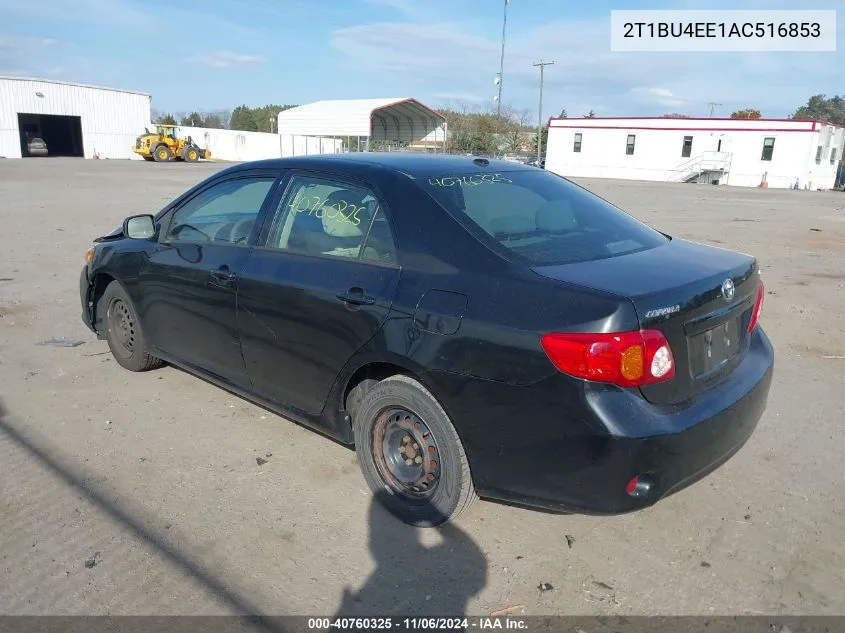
[768,148]
[540,217]
[225,212]
[629,146]
[324,217]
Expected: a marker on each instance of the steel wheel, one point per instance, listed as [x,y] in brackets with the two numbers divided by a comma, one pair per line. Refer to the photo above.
[410,453]
[406,453]
[124,331]
[121,323]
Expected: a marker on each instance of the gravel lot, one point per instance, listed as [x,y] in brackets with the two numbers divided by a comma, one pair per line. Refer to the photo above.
[140,494]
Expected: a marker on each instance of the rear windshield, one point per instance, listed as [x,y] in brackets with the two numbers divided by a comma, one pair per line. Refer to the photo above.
[541,217]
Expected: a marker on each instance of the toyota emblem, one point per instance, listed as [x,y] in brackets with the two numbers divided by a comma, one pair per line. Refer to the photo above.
[728,289]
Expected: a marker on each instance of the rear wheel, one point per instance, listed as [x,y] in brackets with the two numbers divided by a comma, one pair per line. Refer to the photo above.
[162,154]
[123,331]
[410,454]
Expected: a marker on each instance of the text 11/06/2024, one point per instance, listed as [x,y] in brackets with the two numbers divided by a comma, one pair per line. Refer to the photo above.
[723,31]
[417,624]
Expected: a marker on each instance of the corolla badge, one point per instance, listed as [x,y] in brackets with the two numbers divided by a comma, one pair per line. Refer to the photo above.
[728,289]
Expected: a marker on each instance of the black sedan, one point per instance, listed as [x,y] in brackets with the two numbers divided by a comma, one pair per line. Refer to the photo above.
[472,327]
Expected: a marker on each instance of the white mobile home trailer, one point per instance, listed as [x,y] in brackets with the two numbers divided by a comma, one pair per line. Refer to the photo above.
[739,152]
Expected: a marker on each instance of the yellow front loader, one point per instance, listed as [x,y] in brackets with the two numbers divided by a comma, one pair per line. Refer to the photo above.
[163,146]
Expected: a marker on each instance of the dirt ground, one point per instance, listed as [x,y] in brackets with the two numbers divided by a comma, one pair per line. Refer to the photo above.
[130,493]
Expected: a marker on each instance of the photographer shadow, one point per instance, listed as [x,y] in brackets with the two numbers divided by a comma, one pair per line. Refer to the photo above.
[413,579]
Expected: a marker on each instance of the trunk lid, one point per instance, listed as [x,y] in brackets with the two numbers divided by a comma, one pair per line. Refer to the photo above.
[680,289]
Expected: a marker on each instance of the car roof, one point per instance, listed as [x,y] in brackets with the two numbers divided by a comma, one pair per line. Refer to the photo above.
[410,164]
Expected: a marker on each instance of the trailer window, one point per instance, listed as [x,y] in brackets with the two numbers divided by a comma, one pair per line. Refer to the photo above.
[768,148]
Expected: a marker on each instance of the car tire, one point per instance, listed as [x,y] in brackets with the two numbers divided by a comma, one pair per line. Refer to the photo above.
[123,331]
[356,395]
[410,453]
[162,154]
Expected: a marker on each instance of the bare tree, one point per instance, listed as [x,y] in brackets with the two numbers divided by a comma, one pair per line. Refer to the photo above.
[516,125]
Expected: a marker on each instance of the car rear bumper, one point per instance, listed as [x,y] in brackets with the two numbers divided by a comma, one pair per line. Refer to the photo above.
[582,460]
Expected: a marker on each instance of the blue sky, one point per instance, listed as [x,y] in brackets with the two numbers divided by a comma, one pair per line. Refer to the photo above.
[213,54]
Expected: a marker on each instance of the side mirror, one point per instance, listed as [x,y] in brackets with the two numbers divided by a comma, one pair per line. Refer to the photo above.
[139,227]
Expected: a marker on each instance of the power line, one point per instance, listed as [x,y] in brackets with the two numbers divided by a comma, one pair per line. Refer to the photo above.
[712,107]
[542,66]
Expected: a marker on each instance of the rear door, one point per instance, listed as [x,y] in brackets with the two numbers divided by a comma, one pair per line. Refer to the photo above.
[188,285]
[318,289]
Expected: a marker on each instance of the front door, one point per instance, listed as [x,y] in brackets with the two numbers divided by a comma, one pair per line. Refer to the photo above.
[189,284]
[318,290]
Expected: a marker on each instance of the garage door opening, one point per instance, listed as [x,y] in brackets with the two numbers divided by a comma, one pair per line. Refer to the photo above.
[61,134]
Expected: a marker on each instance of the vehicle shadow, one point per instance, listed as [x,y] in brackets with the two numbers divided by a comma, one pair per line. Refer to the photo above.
[250,618]
[413,579]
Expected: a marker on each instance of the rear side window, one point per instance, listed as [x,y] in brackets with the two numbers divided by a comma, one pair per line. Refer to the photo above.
[325,217]
[541,217]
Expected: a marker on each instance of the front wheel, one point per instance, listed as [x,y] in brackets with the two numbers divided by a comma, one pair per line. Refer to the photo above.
[162,154]
[123,331]
[411,455]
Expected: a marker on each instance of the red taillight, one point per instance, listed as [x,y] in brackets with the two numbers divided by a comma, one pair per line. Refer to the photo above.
[627,359]
[758,308]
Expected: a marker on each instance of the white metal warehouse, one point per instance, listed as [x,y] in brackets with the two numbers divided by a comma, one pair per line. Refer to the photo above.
[72,119]
[401,120]
[777,153]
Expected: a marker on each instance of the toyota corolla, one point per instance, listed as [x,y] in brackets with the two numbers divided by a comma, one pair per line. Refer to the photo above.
[471,327]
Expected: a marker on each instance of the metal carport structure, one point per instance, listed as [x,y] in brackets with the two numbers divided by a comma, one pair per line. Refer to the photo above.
[400,120]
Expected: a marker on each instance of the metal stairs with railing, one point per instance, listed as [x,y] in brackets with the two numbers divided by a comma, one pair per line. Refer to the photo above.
[704,168]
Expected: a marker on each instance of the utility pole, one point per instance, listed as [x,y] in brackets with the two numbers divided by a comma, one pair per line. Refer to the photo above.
[542,66]
[712,106]
[502,64]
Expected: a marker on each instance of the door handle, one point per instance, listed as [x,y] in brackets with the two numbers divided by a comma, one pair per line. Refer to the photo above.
[356,296]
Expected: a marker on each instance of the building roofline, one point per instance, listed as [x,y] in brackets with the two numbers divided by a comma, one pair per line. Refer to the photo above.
[690,118]
[408,100]
[683,129]
[71,83]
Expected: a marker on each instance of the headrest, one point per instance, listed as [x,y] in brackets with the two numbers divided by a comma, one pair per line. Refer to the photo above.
[338,220]
[556,215]
[510,224]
